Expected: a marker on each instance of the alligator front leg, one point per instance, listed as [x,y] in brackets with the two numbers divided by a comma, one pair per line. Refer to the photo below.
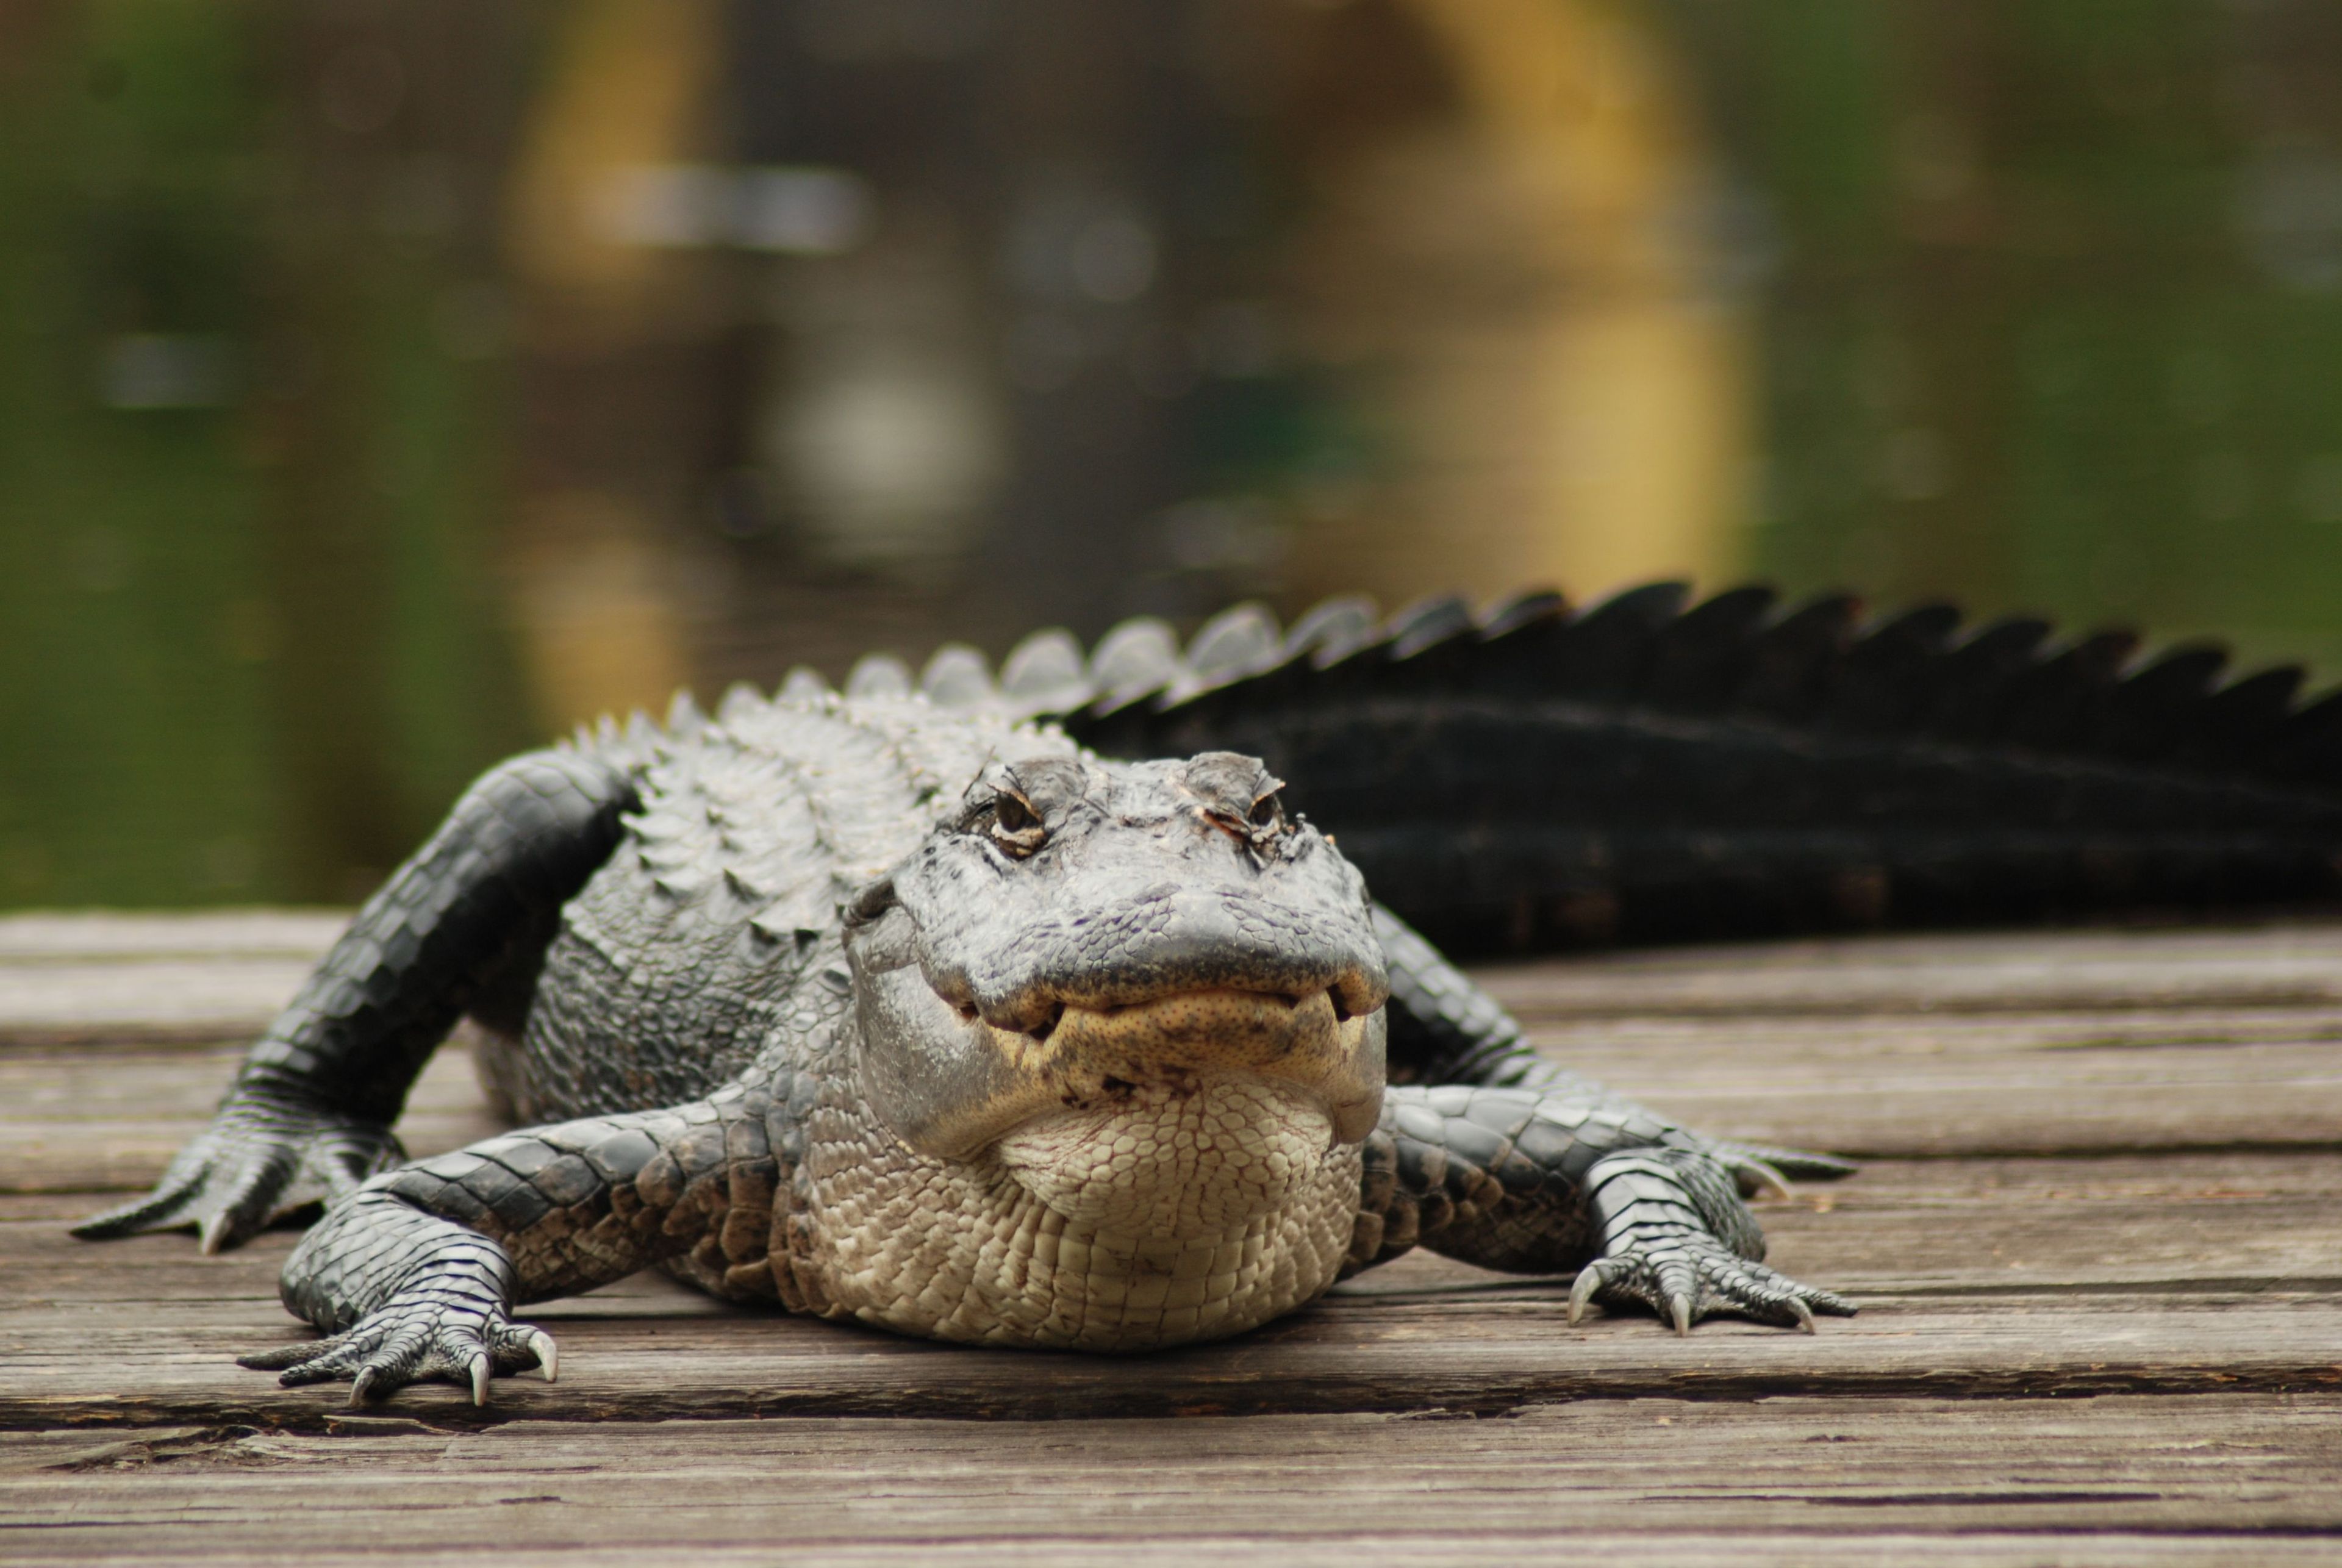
[415,1275]
[1446,1029]
[462,923]
[1541,1182]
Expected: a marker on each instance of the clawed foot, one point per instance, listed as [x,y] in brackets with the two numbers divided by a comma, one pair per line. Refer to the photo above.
[261,1157]
[415,1340]
[1689,1275]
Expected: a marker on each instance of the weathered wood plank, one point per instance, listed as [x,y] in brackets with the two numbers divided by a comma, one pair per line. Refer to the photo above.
[82,1119]
[2195,1252]
[1666,1480]
[177,977]
[2285,964]
[193,1000]
[2006,1545]
[170,1362]
[48,937]
[2021,1085]
[1964,1226]
[2178,1272]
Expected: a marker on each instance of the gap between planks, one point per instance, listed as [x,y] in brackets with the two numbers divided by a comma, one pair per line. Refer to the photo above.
[1661,1480]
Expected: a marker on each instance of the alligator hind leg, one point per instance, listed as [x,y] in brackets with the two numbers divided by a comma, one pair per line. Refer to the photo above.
[462,925]
[1534,1182]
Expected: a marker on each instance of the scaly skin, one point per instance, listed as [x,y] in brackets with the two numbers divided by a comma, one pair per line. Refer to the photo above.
[1652,769]
[827,1034]
[1077,1055]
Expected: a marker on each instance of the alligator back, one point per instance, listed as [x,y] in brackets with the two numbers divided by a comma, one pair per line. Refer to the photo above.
[1645,769]
[701,939]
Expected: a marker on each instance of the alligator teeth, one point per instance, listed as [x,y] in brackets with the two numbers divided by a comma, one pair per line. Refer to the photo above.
[1044,673]
[879,676]
[958,677]
[1138,657]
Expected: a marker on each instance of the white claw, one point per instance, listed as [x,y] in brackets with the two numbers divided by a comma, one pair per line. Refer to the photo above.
[480,1378]
[360,1385]
[1768,1180]
[548,1354]
[1804,1315]
[1590,1280]
[1679,1308]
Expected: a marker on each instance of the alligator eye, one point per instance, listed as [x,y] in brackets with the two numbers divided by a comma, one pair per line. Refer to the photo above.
[1267,815]
[1014,828]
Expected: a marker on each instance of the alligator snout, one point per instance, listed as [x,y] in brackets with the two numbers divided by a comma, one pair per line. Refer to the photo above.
[1171,942]
[1338,1002]
[1305,1039]
[951,1081]
[1159,926]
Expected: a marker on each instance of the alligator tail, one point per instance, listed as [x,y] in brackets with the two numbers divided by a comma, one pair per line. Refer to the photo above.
[1648,769]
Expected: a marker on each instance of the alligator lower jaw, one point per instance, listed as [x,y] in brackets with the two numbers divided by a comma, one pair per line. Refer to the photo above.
[950,1086]
[1115,1058]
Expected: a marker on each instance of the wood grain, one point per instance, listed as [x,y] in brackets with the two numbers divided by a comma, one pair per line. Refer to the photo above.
[1657,1476]
[2092,969]
[145,1330]
[2099,1244]
[75,977]
[83,1119]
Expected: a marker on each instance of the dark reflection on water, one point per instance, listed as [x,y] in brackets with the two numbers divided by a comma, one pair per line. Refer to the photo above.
[381,390]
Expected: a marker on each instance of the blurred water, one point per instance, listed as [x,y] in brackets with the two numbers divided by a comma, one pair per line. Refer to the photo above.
[381,390]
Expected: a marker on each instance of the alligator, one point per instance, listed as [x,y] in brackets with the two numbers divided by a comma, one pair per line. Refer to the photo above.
[1037,1011]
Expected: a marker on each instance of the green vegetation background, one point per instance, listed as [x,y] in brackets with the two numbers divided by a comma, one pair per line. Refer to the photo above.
[2049,296]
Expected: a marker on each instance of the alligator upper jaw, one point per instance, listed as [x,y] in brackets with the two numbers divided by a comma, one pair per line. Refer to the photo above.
[952,1085]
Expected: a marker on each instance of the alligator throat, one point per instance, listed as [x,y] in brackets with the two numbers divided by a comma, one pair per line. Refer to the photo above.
[1180,1212]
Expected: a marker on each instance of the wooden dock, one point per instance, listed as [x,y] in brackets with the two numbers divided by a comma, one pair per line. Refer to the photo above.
[2097,1240]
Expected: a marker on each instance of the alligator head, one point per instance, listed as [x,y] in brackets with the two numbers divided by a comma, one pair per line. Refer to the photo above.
[1140,988]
